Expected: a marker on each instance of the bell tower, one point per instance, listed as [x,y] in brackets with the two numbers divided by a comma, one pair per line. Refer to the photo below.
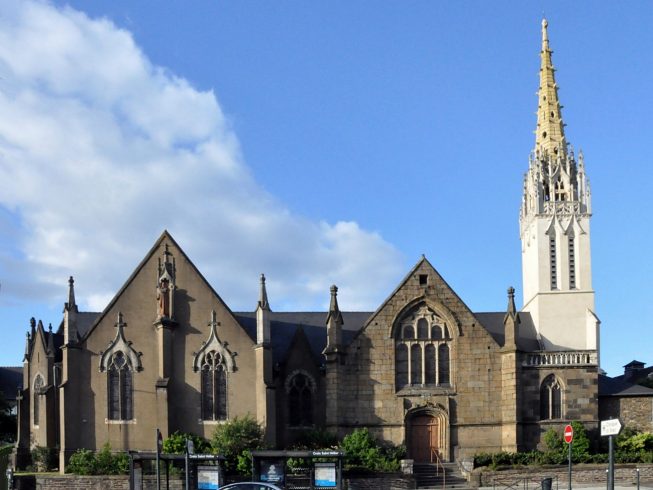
[555,229]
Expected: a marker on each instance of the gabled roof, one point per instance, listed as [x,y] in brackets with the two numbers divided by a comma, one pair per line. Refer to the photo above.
[420,262]
[618,387]
[164,236]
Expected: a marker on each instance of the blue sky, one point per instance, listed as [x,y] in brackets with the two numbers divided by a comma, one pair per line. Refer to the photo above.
[318,142]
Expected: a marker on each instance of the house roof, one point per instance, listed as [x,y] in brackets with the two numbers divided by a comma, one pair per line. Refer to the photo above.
[619,387]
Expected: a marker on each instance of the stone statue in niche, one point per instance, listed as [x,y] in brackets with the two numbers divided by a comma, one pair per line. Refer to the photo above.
[163,292]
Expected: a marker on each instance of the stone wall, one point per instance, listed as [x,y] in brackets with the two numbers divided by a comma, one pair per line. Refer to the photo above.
[625,474]
[389,481]
[74,482]
[634,412]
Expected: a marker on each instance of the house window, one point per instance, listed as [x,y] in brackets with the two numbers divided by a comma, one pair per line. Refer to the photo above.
[300,389]
[37,389]
[214,387]
[550,399]
[120,387]
[422,350]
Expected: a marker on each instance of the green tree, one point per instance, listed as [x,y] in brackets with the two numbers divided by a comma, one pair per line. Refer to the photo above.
[234,440]
[176,443]
[8,426]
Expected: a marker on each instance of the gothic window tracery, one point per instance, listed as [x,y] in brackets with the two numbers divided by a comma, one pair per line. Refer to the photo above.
[422,360]
[214,387]
[551,399]
[120,361]
[120,387]
[214,362]
[300,388]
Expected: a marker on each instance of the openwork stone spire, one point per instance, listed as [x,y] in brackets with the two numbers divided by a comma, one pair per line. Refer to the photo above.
[549,134]
[555,183]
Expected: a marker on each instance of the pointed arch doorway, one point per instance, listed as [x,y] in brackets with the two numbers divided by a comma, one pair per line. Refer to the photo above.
[427,437]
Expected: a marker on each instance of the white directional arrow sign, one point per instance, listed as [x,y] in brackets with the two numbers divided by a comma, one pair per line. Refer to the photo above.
[610,427]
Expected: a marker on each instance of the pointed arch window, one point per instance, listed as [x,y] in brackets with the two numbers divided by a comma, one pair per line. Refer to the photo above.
[120,361]
[422,350]
[300,388]
[214,387]
[120,387]
[550,399]
[37,392]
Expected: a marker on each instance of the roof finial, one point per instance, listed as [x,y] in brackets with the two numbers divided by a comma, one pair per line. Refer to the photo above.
[334,310]
[511,301]
[263,295]
[70,305]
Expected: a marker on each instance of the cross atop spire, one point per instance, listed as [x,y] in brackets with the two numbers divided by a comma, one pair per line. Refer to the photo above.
[549,133]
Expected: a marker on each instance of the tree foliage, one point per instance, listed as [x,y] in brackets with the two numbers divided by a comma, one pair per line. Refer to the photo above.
[234,440]
[176,443]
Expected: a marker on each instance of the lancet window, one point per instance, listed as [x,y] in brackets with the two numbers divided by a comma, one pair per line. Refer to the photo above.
[550,399]
[300,388]
[36,396]
[120,361]
[214,387]
[214,362]
[120,387]
[422,350]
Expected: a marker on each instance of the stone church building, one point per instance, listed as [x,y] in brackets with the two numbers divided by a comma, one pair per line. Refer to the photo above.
[422,370]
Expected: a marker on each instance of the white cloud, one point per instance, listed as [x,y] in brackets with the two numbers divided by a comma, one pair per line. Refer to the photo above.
[100,151]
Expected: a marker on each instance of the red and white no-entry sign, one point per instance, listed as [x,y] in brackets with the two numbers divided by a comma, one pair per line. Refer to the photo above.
[569,434]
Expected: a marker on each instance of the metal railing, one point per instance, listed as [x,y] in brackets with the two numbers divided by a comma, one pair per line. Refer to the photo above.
[435,458]
[545,483]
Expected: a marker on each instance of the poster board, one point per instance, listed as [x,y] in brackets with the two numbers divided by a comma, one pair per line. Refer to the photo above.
[325,475]
[208,477]
[272,471]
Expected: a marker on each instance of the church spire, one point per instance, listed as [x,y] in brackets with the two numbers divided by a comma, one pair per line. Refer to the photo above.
[549,134]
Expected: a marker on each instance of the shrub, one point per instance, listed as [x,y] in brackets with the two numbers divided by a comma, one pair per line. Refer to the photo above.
[316,439]
[233,439]
[45,458]
[176,443]
[82,462]
[104,462]
[362,451]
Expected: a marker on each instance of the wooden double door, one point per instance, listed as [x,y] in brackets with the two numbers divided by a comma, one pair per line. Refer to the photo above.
[424,438]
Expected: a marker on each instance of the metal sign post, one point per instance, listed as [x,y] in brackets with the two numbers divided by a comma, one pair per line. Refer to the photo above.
[609,429]
[569,439]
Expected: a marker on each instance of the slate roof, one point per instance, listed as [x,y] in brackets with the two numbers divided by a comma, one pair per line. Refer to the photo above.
[493,323]
[11,379]
[619,387]
[85,320]
[284,325]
